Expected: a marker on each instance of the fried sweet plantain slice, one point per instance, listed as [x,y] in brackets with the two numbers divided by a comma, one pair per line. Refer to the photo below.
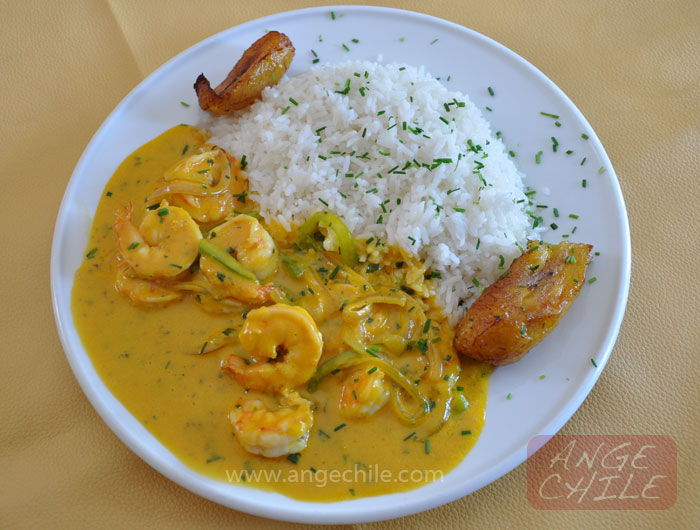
[262,65]
[517,311]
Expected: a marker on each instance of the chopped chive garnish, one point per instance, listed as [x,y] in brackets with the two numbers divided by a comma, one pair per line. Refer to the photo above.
[509,396]
[501,261]
[294,458]
[491,92]
[427,447]
[556,212]
[554,226]
[460,210]
[356,41]
[444,120]
[583,160]
[465,433]
[345,47]
[285,109]
[433,42]
[335,272]
[293,101]
[204,347]
[346,89]
[555,144]
[372,370]
[594,363]
[592,280]
[556,117]
[163,212]
[573,216]
[584,136]
[426,327]
[542,376]
[409,436]
[601,170]
[133,245]
[336,429]
[184,104]
[323,202]
[332,15]
[538,157]
[512,154]
[91,254]
[584,183]
[373,190]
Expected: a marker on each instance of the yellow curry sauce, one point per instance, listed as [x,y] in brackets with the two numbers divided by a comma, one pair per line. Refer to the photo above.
[150,360]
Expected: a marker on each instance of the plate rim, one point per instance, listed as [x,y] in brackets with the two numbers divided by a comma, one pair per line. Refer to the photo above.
[310,511]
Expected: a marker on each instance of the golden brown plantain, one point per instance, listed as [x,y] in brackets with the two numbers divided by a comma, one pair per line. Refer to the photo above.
[518,310]
[262,65]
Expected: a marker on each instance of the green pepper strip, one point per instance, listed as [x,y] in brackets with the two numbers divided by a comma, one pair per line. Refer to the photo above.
[459,402]
[337,362]
[210,250]
[295,267]
[346,244]
[352,357]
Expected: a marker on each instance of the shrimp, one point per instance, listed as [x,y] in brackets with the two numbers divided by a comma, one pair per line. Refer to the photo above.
[143,292]
[364,393]
[205,185]
[164,244]
[246,240]
[284,345]
[273,433]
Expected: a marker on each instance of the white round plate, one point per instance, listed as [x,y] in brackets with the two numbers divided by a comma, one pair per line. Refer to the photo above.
[465,61]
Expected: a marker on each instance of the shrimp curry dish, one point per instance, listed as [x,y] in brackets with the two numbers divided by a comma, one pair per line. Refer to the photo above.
[259,339]
[243,347]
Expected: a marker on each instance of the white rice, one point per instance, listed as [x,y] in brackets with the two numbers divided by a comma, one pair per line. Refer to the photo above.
[294,168]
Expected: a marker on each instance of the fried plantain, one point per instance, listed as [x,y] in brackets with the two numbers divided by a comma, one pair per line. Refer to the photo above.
[260,66]
[518,310]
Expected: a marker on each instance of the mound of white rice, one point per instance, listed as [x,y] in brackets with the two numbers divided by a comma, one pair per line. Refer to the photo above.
[398,157]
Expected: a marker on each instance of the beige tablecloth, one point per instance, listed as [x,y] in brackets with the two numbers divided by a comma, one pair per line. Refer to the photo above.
[633,68]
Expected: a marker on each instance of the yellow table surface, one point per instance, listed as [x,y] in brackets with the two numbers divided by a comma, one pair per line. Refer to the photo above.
[633,68]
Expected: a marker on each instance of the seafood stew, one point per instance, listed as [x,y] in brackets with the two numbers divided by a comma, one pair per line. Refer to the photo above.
[313,362]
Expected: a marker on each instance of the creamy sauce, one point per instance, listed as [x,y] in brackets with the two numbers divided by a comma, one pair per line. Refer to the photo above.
[148,359]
